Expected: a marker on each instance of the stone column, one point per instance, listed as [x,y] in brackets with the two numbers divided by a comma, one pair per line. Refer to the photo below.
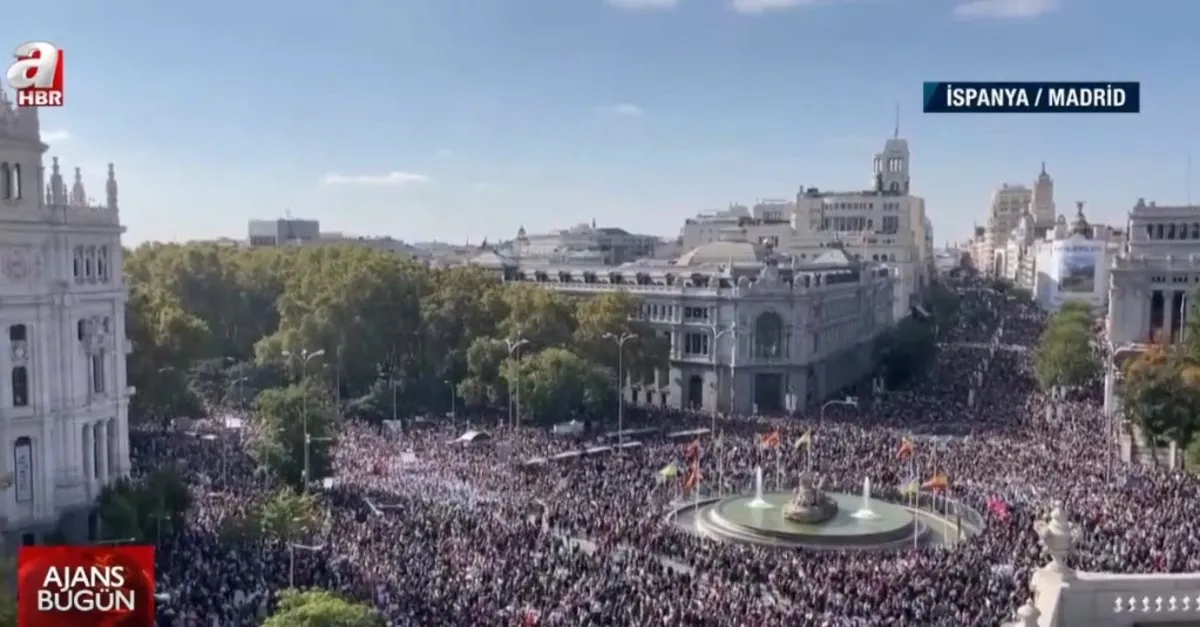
[1168,314]
[88,449]
[103,442]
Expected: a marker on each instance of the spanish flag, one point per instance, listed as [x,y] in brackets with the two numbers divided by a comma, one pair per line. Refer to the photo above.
[803,440]
[770,440]
[693,480]
[937,483]
[692,451]
[907,449]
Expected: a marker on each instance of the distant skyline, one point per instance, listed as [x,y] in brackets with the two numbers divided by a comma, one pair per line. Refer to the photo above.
[456,121]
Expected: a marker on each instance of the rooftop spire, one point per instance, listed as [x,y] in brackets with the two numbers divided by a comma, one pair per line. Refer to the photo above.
[1043,168]
[896,130]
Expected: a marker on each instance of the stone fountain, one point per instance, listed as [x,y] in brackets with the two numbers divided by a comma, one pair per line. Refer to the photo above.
[810,505]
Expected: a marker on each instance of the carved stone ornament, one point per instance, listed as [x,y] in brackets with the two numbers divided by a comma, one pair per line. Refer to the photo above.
[1060,536]
[18,264]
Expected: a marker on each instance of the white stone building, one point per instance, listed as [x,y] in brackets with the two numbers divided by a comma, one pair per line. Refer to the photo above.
[748,329]
[63,397]
[883,224]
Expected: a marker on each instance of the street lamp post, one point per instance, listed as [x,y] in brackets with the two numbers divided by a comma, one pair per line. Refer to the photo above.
[305,357]
[718,333]
[308,440]
[513,346]
[620,341]
[849,401]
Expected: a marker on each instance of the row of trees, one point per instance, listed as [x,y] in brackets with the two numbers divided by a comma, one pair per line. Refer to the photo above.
[1065,357]
[395,335]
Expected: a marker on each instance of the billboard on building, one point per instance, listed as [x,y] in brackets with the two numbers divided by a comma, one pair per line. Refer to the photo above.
[1078,269]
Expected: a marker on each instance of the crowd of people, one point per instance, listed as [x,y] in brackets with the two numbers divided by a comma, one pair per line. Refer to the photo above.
[433,533]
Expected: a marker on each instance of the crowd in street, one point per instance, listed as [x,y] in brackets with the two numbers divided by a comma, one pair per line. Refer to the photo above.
[433,533]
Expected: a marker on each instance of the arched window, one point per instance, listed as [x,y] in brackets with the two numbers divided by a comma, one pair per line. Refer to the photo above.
[5,181]
[89,262]
[14,184]
[768,335]
[78,263]
[102,263]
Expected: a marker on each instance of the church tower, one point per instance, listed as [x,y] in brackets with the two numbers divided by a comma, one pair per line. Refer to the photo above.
[1043,199]
[891,165]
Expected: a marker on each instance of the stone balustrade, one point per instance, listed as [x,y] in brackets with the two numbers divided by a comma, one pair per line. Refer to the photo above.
[1064,597]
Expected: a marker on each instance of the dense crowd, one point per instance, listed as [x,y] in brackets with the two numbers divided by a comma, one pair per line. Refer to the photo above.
[433,533]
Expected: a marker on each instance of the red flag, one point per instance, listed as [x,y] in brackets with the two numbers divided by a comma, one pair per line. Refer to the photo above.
[692,451]
[771,440]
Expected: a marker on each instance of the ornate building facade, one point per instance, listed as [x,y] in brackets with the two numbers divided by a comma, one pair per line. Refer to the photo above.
[749,330]
[63,395]
[883,223]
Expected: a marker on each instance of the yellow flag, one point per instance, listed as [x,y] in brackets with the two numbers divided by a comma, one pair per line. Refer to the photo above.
[803,440]
[910,488]
[670,471]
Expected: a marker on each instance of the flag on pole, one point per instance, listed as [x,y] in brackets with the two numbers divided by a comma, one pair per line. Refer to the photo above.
[770,440]
[803,440]
[693,480]
[907,448]
[670,471]
[937,483]
[692,451]
[910,487]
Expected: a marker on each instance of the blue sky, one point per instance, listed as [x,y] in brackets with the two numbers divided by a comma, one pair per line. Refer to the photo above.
[460,119]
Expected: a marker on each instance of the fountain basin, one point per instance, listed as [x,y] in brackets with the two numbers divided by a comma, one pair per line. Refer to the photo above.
[734,519]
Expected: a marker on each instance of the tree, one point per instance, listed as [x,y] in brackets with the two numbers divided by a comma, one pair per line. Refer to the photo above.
[321,608]
[148,509]
[284,417]
[1162,392]
[1064,357]
[556,384]
[288,515]
[906,351]
[944,304]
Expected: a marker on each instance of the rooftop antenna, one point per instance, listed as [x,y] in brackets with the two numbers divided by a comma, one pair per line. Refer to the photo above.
[896,130]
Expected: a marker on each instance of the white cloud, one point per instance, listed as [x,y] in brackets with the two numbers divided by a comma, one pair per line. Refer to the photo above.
[1005,9]
[643,5]
[56,135]
[391,179]
[755,7]
[623,109]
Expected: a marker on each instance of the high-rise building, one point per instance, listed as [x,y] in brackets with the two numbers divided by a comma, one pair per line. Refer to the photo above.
[65,402]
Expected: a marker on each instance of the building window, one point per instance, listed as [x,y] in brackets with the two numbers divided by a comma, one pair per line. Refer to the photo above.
[89,262]
[78,263]
[98,373]
[20,386]
[82,329]
[14,181]
[102,263]
[696,344]
[18,333]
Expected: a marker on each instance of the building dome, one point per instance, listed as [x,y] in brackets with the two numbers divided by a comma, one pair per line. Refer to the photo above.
[732,248]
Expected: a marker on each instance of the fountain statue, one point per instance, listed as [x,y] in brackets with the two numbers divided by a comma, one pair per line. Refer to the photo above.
[759,502]
[810,505]
[865,512]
